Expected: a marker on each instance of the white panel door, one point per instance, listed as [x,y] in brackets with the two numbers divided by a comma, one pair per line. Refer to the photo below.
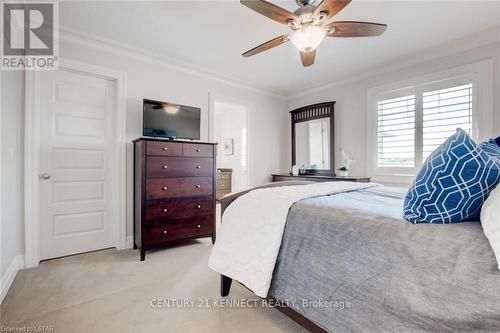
[76,144]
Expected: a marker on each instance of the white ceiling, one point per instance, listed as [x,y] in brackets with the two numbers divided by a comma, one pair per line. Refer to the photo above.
[213,34]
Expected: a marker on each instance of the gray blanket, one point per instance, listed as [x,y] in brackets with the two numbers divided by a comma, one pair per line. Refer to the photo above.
[361,268]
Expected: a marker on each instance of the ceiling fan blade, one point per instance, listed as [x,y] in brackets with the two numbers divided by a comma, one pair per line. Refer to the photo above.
[307,58]
[332,7]
[270,10]
[355,29]
[267,45]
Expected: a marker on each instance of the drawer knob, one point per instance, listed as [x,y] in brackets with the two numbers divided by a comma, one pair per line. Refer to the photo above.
[197,186]
[198,206]
[165,166]
[165,148]
[198,167]
[198,150]
[164,232]
[164,188]
[198,226]
[165,210]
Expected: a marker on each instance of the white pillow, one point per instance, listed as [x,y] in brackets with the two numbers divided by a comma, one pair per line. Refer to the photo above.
[490,220]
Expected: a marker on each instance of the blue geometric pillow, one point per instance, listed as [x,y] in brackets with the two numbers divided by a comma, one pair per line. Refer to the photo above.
[497,141]
[491,148]
[453,183]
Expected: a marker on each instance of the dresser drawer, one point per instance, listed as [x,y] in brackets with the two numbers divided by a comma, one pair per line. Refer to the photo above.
[164,188]
[161,148]
[158,233]
[219,185]
[178,209]
[317,180]
[191,149]
[164,167]
[223,176]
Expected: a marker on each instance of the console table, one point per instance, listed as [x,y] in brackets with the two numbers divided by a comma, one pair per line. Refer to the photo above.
[318,178]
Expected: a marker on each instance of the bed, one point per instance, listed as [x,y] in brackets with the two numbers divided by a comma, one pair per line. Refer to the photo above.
[354,265]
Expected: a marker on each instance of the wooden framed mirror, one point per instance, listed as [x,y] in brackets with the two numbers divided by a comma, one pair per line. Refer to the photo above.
[313,147]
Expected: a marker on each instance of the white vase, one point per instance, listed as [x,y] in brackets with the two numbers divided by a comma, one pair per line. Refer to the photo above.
[343,173]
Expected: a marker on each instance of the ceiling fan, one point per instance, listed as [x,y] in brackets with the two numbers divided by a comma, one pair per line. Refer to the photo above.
[310,24]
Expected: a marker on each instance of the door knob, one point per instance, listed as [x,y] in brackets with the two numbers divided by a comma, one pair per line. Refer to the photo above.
[45,176]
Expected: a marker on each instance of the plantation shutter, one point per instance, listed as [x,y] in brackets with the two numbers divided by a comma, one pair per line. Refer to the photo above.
[444,111]
[396,132]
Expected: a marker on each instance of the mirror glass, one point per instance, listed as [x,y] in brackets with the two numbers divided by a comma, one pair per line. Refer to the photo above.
[312,144]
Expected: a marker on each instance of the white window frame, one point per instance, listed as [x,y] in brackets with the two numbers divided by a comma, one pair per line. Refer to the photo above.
[480,74]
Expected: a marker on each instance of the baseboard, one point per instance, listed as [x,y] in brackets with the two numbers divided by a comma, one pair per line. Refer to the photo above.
[9,276]
[130,242]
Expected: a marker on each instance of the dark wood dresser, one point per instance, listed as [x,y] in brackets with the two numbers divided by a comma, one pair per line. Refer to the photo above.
[174,192]
[318,178]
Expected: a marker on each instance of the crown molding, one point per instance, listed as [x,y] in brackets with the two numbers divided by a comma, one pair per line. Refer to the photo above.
[463,44]
[483,38]
[91,41]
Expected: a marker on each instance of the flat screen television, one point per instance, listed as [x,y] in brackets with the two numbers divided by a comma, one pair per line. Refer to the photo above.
[169,120]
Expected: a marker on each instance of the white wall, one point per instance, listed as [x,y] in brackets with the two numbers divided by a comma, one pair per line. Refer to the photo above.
[350,109]
[230,120]
[268,121]
[12,141]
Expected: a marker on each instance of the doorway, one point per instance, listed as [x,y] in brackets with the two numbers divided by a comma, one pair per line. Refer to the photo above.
[231,132]
[74,153]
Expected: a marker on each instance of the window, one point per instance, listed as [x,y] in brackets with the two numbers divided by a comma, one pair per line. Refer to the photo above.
[410,127]
[444,111]
[408,120]
[396,132]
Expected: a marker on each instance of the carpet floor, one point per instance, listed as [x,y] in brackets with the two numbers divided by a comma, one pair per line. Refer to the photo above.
[112,291]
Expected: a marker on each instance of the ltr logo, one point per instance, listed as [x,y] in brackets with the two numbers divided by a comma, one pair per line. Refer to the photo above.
[28,29]
[29,36]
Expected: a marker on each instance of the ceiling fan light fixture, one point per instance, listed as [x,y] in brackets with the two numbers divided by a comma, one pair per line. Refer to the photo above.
[331,31]
[320,18]
[309,25]
[308,38]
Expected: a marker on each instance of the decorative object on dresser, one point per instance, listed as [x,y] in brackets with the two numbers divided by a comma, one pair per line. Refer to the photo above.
[223,182]
[318,178]
[313,139]
[346,163]
[174,192]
